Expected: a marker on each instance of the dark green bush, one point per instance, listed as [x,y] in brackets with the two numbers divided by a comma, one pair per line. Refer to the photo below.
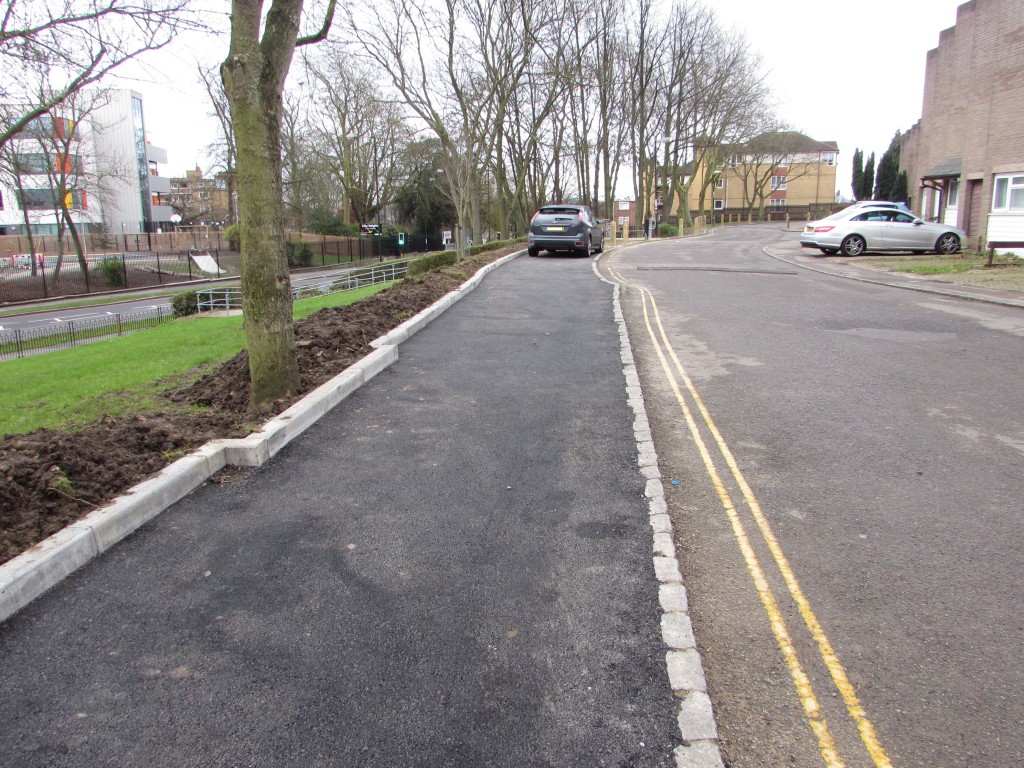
[432,261]
[483,247]
[234,237]
[112,269]
[185,303]
[299,254]
[667,230]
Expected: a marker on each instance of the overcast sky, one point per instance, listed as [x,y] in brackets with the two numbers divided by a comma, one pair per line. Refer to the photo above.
[850,71]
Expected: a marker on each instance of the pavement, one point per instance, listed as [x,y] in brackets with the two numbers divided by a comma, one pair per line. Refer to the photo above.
[848,268]
[455,555]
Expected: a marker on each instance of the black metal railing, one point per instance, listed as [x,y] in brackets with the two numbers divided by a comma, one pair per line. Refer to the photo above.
[23,278]
[22,342]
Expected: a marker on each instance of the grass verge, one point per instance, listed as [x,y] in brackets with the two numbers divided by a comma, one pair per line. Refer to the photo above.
[71,387]
[1006,272]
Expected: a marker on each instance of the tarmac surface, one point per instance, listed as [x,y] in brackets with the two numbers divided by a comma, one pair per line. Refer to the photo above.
[452,567]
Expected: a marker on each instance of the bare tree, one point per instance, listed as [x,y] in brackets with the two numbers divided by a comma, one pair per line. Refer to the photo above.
[254,72]
[75,42]
[361,132]
[223,149]
[432,55]
[642,46]
[54,178]
[767,162]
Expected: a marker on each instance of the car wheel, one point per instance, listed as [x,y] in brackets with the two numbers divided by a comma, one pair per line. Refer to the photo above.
[854,245]
[829,251]
[533,251]
[585,250]
[948,244]
[600,247]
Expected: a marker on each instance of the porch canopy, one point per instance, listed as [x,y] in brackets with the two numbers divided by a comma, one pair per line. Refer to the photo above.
[950,168]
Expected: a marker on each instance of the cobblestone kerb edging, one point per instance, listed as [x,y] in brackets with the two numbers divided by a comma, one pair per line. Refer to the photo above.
[30,574]
[685,671]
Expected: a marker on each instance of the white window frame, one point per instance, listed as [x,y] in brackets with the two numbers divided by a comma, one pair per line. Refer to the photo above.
[623,220]
[719,205]
[953,194]
[719,183]
[1008,193]
[779,182]
[777,202]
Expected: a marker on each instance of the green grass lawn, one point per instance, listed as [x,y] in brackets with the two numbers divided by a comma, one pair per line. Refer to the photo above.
[71,387]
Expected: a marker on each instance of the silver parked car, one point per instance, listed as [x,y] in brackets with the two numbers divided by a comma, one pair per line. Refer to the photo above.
[877,204]
[567,227]
[860,229]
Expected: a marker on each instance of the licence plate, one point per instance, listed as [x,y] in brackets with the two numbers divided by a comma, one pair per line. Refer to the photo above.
[554,229]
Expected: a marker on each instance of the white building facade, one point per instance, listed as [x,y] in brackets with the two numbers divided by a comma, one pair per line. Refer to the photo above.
[103,162]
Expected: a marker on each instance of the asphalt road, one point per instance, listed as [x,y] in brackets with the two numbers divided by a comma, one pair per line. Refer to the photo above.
[855,569]
[452,568]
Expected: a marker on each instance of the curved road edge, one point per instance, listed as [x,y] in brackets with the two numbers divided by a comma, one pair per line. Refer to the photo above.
[906,284]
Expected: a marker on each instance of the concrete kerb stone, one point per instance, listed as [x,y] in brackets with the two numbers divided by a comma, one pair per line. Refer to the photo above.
[146,500]
[33,572]
[25,577]
[699,754]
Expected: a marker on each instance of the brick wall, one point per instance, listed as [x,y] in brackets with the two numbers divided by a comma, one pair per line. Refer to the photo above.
[973,106]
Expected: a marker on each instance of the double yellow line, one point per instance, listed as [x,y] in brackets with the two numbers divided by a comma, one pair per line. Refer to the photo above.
[679,381]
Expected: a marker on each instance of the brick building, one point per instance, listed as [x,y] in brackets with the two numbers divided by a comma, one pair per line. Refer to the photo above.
[777,172]
[965,157]
[198,200]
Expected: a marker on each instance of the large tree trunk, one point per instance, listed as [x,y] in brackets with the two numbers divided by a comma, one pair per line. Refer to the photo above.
[253,80]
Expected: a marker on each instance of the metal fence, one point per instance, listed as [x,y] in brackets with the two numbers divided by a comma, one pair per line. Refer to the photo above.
[28,277]
[229,297]
[24,278]
[16,342]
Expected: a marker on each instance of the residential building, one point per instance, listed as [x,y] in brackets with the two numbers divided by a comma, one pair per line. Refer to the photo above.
[965,157]
[778,171]
[625,215]
[198,200]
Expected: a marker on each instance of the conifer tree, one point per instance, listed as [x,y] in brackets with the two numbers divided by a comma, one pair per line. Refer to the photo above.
[869,178]
[857,181]
[888,171]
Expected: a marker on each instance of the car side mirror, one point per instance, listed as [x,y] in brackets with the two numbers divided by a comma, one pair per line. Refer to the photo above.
[918,222]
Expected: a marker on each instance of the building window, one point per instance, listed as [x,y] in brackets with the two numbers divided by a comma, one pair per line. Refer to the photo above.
[953,194]
[1008,196]
[778,182]
[37,199]
[830,158]
[623,220]
[719,205]
[624,205]
[719,182]
[777,202]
